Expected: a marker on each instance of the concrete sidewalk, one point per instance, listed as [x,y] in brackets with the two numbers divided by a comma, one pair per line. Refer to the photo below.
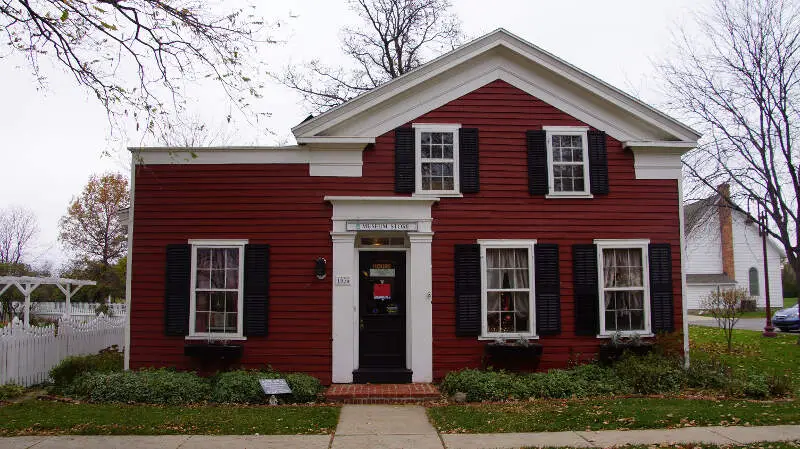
[407,426]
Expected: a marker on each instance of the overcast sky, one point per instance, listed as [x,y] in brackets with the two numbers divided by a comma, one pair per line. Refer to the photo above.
[53,139]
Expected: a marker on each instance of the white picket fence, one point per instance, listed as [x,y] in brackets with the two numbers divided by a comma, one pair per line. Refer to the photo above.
[27,353]
[54,309]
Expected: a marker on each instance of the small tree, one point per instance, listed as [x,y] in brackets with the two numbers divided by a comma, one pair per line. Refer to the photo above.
[725,306]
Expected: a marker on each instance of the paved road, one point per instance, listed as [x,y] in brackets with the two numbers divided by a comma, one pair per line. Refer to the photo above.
[752,324]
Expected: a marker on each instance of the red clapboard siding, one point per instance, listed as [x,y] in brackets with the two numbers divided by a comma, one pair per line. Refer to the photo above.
[283,206]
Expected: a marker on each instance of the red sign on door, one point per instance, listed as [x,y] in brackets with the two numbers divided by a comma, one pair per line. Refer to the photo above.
[382,291]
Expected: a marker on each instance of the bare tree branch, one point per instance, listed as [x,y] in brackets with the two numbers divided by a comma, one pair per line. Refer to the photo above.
[740,85]
[136,55]
[18,227]
[397,37]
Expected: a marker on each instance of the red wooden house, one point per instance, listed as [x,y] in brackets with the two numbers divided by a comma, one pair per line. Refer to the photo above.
[496,192]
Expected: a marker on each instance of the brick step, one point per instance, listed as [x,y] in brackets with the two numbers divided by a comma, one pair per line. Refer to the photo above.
[382,393]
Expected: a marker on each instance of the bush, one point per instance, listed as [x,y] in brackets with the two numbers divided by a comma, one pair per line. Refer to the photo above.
[70,368]
[161,386]
[708,374]
[780,384]
[11,391]
[582,381]
[242,387]
[756,386]
[651,374]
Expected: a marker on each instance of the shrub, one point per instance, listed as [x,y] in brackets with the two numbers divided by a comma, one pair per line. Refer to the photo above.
[651,374]
[242,387]
[11,391]
[755,386]
[483,385]
[162,386]
[71,367]
[595,380]
[708,374]
[780,384]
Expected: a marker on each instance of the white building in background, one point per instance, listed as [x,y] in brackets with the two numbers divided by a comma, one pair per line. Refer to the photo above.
[724,250]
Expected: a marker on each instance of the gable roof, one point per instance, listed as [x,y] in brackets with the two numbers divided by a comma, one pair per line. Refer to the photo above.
[498,55]
[699,211]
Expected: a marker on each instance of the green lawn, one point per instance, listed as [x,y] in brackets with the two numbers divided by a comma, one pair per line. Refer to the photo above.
[598,414]
[751,351]
[50,418]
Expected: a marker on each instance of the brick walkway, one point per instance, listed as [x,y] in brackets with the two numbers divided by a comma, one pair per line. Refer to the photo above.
[381,393]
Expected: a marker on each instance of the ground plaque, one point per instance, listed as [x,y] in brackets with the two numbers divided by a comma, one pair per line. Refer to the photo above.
[272,387]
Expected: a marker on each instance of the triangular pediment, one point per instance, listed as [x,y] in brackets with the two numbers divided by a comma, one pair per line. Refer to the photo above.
[498,55]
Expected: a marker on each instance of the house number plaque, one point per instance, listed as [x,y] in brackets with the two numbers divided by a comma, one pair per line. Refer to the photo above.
[342,281]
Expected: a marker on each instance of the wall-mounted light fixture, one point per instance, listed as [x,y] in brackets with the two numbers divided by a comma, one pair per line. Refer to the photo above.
[320,267]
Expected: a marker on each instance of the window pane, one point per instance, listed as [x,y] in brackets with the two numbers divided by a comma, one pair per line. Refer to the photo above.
[203,279]
[436,138]
[611,320]
[203,301]
[436,169]
[425,151]
[447,151]
[558,185]
[447,138]
[425,138]
[204,258]
[231,301]
[217,322]
[231,325]
[493,322]
[217,278]
[448,184]
[426,183]
[447,169]
[577,155]
[201,322]
[218,301]
[231,278]
[578,186]
[218,258]
[436,184]
[231,258]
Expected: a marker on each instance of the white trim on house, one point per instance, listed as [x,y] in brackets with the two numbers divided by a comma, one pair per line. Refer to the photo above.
[239,245]
[420,128]
[335,159]
[624,244]
[129,268]
[419,293]
[501,41]
[580,131]
[528,245]
[657,162]
[684,288]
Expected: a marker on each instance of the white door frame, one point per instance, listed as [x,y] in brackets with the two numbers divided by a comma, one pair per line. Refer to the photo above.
[410,211]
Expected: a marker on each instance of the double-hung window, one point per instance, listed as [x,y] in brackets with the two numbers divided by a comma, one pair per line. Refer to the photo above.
[568,160]
[436,158]
[216,300]
[624,286]
[507,296]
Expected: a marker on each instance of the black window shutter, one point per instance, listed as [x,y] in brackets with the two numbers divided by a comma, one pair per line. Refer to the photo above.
[587,302]
[404,158]
[598,162]
[548,289]
[661,287]
[177,288]
[256,289]
[537,162]
[468,290]
[469,160]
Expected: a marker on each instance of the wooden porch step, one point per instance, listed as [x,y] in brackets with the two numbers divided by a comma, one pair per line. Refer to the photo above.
[382,393]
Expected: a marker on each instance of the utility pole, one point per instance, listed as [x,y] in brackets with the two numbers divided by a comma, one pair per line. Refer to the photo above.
[769,330]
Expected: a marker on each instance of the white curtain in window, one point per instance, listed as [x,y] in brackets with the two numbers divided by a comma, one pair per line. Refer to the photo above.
[507,268]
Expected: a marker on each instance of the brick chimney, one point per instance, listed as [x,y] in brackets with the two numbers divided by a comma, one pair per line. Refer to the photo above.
[726,229]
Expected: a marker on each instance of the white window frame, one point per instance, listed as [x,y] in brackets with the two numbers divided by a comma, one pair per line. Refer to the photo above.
[508,244]
[419,128]
[581,131]
[643,245]
[239,335]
